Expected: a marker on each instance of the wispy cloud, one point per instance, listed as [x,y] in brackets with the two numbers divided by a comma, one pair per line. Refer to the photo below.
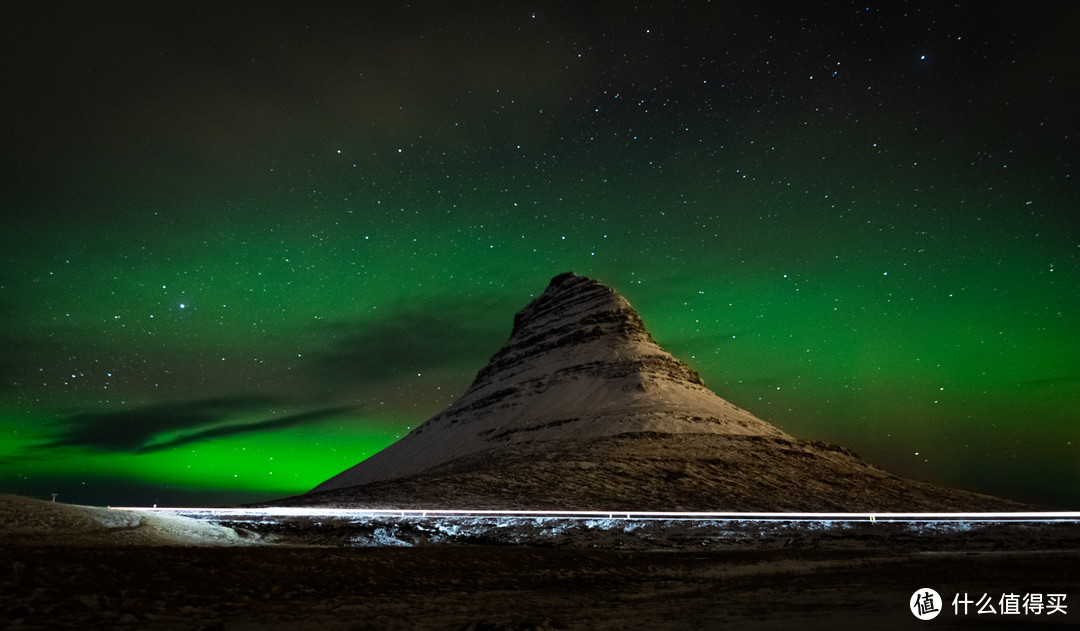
[435,337]
[138,430]
[265,425]
[347,357]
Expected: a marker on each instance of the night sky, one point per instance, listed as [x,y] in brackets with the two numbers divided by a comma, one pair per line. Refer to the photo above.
[244,247]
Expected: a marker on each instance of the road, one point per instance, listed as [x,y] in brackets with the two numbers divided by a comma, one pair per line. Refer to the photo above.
[283,512]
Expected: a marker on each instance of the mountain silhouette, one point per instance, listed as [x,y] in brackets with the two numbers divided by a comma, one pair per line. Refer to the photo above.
[582,409]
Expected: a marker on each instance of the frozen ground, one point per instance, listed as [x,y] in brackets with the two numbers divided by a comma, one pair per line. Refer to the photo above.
[634,532]
[76,567]
[33,522]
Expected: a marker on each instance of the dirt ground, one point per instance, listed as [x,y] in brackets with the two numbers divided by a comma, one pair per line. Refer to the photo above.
[72,567]
[513,588]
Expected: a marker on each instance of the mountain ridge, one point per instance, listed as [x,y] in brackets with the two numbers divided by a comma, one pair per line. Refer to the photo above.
[581,406]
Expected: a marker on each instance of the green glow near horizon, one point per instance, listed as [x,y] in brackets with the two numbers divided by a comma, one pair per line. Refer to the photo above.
[843,350]
[274,464]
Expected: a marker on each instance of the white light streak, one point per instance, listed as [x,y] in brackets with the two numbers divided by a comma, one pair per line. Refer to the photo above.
[291,511]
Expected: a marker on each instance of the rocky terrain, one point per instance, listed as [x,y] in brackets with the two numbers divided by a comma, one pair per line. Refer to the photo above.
[654,471]
[582,409]
[579,365]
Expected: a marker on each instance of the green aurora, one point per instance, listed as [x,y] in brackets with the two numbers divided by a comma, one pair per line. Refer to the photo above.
[233,284]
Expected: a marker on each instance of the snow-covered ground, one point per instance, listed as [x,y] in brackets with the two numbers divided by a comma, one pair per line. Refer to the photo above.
[25,521]
[629,531]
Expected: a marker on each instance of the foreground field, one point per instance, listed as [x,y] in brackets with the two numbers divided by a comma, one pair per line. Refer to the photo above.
[482,587]
[78,567]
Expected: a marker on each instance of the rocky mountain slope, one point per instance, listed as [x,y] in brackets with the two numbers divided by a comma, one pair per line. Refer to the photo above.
[582,409]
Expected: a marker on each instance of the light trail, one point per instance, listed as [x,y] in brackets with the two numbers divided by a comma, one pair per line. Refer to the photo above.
[219,513]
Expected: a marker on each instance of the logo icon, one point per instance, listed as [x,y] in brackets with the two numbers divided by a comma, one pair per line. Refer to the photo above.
[925,604]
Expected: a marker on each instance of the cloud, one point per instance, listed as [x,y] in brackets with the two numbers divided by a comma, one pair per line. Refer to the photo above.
[443,336]
[1051,382]
[266,425]
[135,430]
[429,337]
[1052,387]
[23,457]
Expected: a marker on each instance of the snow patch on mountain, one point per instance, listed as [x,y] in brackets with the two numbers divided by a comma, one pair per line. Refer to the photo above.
[579,365]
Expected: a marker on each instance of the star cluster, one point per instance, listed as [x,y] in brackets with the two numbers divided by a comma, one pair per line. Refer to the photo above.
[244,247]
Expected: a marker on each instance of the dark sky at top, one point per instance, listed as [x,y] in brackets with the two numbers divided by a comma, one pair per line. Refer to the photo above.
[244,245]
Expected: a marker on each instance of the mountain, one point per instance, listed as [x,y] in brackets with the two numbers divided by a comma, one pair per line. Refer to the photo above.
[582,409]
